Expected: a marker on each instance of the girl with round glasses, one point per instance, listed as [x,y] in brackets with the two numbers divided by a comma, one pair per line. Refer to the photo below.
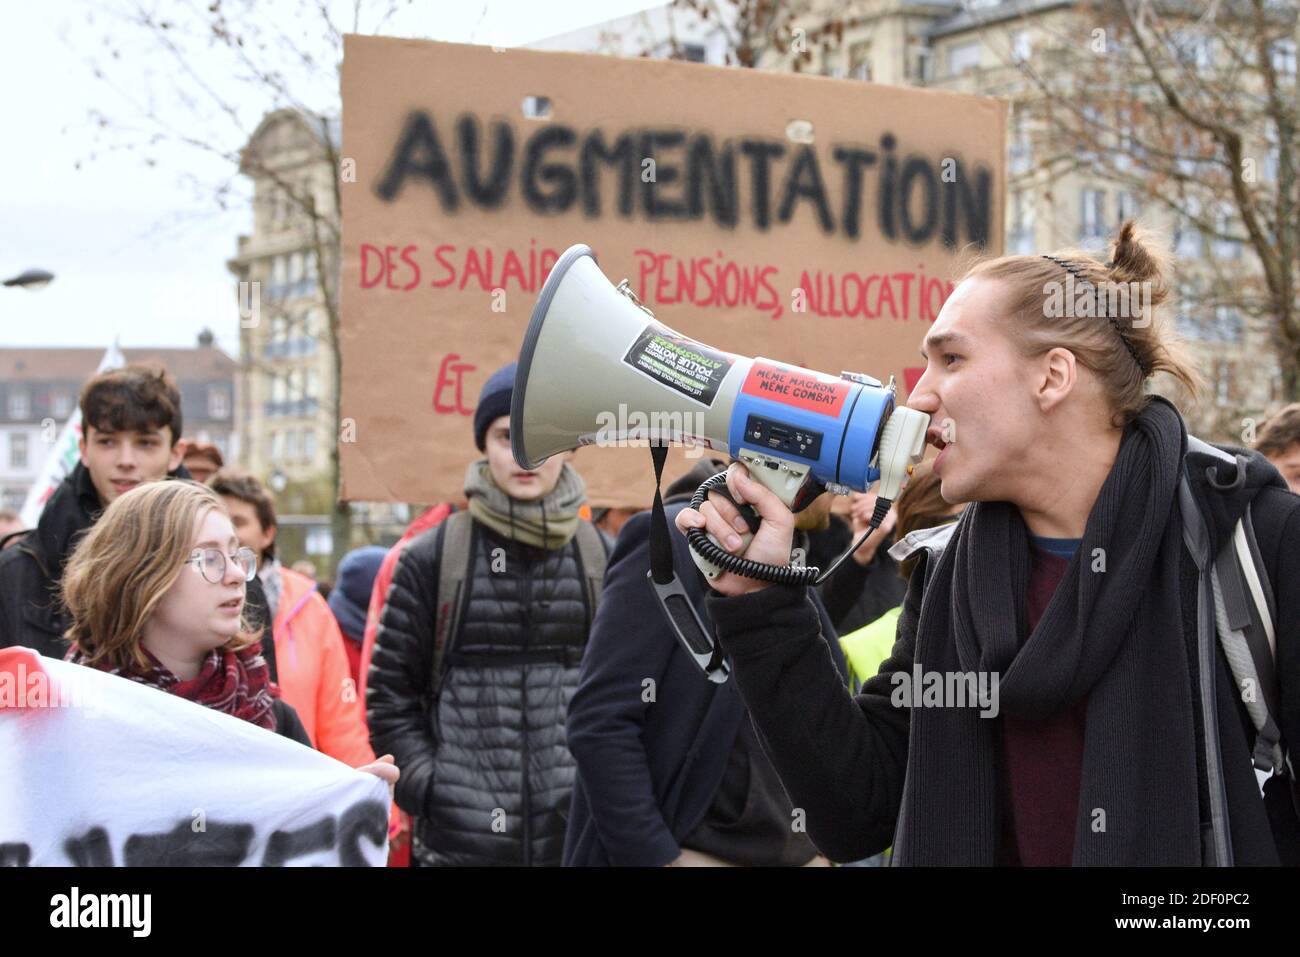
[155,592]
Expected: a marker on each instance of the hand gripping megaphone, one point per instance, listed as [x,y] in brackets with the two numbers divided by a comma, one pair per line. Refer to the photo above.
[593,351]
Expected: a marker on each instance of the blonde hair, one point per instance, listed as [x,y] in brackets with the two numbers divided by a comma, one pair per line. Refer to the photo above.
[1122,354]
[125,565]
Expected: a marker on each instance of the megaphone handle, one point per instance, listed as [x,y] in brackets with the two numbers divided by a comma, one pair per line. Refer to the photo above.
[747,512]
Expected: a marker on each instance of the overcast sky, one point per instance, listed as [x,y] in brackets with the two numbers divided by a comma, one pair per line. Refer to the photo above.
[139,251]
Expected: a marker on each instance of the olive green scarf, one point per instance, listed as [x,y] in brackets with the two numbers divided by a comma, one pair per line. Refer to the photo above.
[549,522]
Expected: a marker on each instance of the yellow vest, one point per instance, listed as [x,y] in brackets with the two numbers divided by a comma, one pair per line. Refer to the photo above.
[866,649]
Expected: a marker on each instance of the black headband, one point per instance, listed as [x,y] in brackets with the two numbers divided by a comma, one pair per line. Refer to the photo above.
[1073,271]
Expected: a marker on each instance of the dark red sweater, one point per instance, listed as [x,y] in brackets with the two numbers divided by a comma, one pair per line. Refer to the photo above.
[1041,760]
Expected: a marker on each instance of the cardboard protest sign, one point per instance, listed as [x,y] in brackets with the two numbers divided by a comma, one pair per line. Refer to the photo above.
[102,771]
[809,220]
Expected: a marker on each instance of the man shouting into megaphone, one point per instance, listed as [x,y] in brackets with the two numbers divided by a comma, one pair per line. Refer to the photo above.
[1085,577]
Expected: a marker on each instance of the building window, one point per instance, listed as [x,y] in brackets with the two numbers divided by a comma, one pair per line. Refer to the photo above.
[309,445]
[693,52]
[17,450]
[1092,213]
[1021,155]
[1223,384]
[61,405]
[860,61]
[1021,48]
[1228,326]
[1193,50]
[1187,149]
[218,402]
[1127,148]
[963,57]
[1127,206]
[291,445]
[924,64]
[1273,156]
[1187,235]
[277,446]
[1021,240]
[1225,248]
[311,384]
[279,270]
[1284,57]
[20,404]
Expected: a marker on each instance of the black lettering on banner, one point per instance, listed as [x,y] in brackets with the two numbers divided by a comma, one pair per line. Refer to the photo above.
[695,178]
[917,167]
[15,855]
[624,153]
[490,192]
[90,850]
[721,177]
[219,845]
[368,819]
[286,845]
[666,174]
[760,158]
[805,180]
[855,161]
[419,153]
[975,189]
[561,179]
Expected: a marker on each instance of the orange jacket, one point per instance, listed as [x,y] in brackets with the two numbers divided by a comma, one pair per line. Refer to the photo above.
[313,672]
[426,520]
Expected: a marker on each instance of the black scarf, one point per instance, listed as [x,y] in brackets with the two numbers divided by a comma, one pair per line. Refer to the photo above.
[1114,636]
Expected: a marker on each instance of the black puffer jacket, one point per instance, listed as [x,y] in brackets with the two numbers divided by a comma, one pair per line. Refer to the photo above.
[485,768]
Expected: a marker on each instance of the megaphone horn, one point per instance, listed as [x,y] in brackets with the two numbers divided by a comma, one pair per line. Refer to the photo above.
[596,367]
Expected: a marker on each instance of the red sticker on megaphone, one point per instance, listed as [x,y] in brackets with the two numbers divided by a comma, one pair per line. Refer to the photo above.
[798,387]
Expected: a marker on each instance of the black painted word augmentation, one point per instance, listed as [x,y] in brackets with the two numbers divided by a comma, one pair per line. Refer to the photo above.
[916,197]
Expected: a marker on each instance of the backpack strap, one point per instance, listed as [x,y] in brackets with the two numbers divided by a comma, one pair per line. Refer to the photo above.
[1244,613]
[594,558]
[456,534]
[1245,628]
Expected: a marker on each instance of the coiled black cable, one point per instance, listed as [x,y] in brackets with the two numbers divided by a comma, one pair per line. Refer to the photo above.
[699,542]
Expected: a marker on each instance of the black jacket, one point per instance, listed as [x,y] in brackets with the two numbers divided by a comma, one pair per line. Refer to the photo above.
[485,769]
[848,773]
[855,595]
[288,724]
[648,770]
[31,570]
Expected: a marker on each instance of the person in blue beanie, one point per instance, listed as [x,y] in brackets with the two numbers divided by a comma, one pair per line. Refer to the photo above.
[350,598]
[477,655]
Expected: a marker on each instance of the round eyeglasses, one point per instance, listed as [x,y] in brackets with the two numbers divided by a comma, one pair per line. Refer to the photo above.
[211,563]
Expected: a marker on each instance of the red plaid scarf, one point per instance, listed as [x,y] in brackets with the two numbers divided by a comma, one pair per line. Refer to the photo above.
[237,683]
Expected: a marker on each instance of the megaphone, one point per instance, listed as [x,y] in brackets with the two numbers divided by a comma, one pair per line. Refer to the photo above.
[593,351]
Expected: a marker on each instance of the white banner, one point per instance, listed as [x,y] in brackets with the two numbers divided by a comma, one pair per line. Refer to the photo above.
[63,455]
[100,771]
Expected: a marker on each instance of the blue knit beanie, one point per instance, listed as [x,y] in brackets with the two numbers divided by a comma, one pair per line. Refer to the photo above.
[493,402]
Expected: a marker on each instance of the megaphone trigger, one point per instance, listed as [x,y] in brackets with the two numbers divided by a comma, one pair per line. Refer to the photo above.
[747,512]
